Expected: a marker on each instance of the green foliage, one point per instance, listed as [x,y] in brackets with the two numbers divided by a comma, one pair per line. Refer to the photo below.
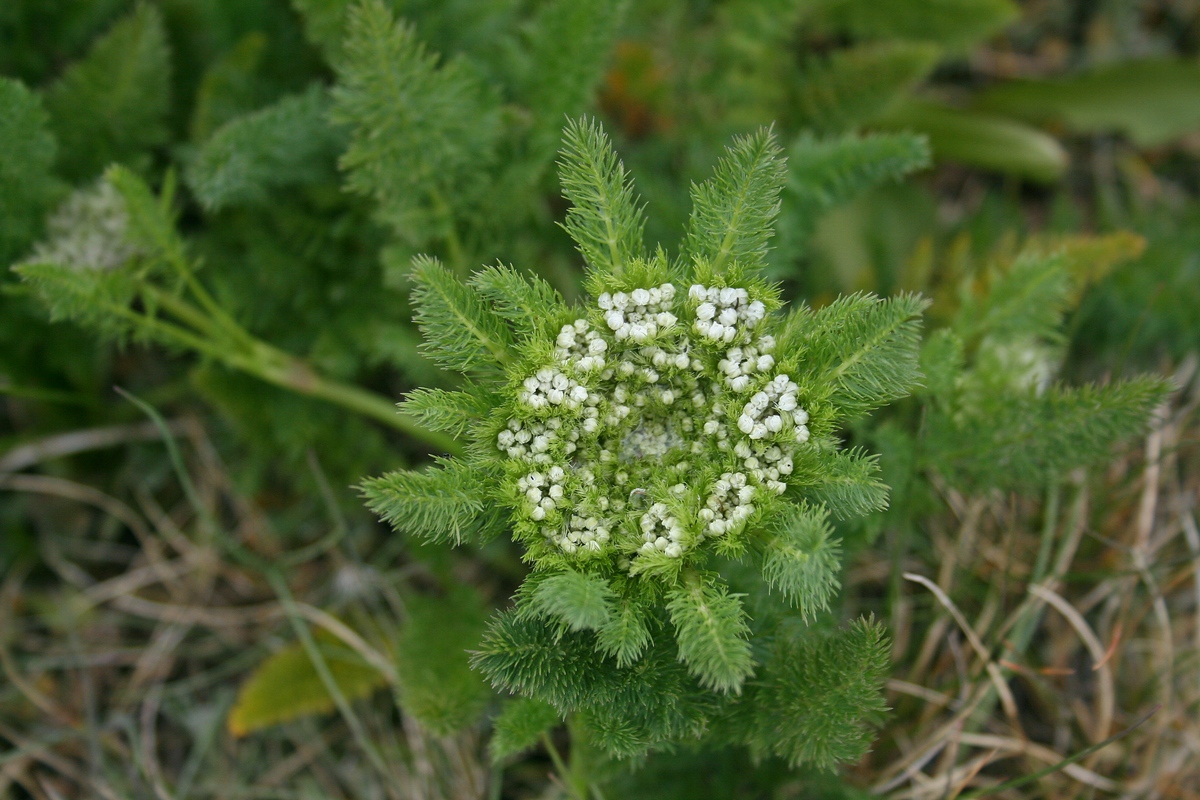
[604,219]
[803,560]
[438,504]
[461,332]
[982,140]
[850,486]
[421,130]
[112,105]
[287,686]
[567,45]
[712,630]
[733,212]
[1152,101]
[520,726]
[817,695]
[625,636]
[526,302]
[951,23]
[453,412]
[854,86]
[576,600]
[289,143]
[27,153]
[437,685]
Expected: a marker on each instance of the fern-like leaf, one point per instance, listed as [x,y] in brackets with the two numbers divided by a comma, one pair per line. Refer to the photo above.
[605,219]
[711,630]
[733,212]
[461,332]
[439,504]
[578,600]
[803,559]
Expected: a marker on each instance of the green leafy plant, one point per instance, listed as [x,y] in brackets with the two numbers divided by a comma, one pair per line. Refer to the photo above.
[631,445]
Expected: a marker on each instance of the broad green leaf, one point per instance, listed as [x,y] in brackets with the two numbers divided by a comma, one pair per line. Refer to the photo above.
[981,140]
[286,686]
[1152,101]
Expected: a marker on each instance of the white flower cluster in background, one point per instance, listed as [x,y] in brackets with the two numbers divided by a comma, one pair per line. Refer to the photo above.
[634,402]
[729,505]
[770,410]
[581,346]
[639,315]
[724,313]
[89,231]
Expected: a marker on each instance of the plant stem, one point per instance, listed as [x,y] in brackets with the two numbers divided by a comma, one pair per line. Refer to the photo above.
[560,767]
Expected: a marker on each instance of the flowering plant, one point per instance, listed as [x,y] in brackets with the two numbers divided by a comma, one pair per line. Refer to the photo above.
[675,423]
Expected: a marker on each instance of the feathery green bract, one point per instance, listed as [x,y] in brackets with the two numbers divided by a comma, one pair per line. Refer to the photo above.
[439,504]
[111,106]
[849,486]
[867,348]
[625,635]
[711,630]
[437,685]
[568,45]
[1027,300]
[27,151]
[451,412]
[604,219]
[952,23]
[461,332]
[733,212]
[941,360]
[422,131]
[525,301]
[818,694]
[802,562]
[520,726]
[290,143]
[1014,441]
[853,86]
[577,600]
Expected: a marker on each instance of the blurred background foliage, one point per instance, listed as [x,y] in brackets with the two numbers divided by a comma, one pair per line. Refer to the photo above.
[939,146]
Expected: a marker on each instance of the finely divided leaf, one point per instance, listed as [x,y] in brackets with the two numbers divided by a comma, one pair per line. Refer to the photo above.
[461,332]
[451,412]
[605,220]
[290,143]
[520,726]
[112,105]
[711,631]
[526,301]
[733,211]
[27,151]
[578,600]
[625,636]
[802,560]
[848,485]
[441,504]
[423,131]
[818,696]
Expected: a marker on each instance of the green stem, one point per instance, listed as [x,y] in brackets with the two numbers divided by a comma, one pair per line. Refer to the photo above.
[560,767]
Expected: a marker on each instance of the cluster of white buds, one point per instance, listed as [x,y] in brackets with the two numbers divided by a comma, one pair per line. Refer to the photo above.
[729,505]
[638,315]
[533,440]
[578,344]
[661,532]
[722,314]
[586,533]
[767,463]
[543,491]
[89,231]
[550,387]
[769,410]
[740,363]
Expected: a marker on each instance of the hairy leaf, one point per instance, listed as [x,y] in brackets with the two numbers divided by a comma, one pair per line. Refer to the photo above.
[578,600]
[440,504]
[711,630]
[520,726]
[803,558]
[27,152]
[461,332]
